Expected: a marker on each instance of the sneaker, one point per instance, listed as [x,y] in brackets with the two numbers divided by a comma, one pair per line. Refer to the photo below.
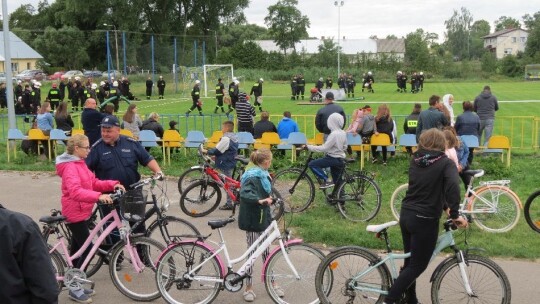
[373,160]
[226,207]
[384,163]
[326,185]
[89,292]
[79,296]
[249,296]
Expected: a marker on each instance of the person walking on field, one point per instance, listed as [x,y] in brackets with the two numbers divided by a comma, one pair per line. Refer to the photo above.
[161,87]
[220,92]
[196,98]
[257,90]
[485,105]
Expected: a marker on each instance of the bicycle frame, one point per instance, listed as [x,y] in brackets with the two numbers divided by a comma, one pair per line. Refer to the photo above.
[223,181]
[116,223]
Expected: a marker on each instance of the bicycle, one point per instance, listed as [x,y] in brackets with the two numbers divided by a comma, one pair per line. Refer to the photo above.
[170,228]
[137,282]
[532,211]
[359,275]
[193,271]
[357,196]
[203,196]
[493,206]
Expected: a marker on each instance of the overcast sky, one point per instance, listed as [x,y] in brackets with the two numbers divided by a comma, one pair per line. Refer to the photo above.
[362,19]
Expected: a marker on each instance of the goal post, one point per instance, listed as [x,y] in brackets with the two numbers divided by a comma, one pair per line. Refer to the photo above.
[212,72]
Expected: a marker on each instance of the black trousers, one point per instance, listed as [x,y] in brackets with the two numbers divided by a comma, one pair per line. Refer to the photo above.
[79,234]
[419,235]
[245,127]
[148,91]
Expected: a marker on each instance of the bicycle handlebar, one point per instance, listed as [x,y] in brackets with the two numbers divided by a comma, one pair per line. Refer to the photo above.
[146,181]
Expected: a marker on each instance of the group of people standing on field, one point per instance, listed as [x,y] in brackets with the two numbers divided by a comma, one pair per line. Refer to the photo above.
[416,81]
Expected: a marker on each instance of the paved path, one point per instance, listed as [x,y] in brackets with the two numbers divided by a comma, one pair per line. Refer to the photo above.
[36,193]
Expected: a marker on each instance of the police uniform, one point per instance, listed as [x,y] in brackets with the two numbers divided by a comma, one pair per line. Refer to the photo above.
[256,90]
[220,88]
[195,98]
[54,97]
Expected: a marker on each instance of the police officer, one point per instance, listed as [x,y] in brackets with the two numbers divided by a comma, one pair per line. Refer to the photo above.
[220,92]
[149,85]
[421,81]
[301,86]
[54,96]
[411,122]
[196,98]
[256,90]
[329,82]
[294,86]
[161,87]
[351,83]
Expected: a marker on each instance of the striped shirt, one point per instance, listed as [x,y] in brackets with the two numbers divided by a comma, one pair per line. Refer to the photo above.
[244,110]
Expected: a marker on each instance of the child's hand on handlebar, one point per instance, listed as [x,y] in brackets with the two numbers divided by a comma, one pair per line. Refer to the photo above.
[119,186]
[105,198]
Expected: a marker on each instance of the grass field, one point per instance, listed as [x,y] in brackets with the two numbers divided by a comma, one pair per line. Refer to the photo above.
[321,224]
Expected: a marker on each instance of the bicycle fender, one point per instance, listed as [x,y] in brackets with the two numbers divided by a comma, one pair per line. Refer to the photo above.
[197,167]
[288,243]
[439,267]
[195,242]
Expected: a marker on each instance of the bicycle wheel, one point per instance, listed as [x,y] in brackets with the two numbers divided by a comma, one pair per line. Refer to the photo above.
[281,281]
[298,193]
[200,198]
[58,266]
[277,209]
[359,198]
[188,177]
[503,213]
[174,230]
[176,262]
[532,211]
[487,280]
[138,286]
[397,199]
[343,266]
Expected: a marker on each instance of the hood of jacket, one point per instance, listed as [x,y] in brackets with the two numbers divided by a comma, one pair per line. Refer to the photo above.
[66,158]
[427,158]
[232,136]
[485,95]
[335,122]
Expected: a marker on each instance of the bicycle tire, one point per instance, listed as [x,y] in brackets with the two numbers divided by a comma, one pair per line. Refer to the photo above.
[280,278]
[134,285]
[532,211]
[487,280]
[188,177]
[359,198]
[200,198]
[174,228]
[342,265]
[277,208]
[508,209]
[59,266]
[300,197]
[397,199]
[178,260]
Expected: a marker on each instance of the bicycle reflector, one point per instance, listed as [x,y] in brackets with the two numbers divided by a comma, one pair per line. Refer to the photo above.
[128,278]
[334,265]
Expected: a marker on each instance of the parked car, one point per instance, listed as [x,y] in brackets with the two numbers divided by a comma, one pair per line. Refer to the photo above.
[113,73]
[3,78]
[92,73]
[56,75]
[28,75]
[73,74]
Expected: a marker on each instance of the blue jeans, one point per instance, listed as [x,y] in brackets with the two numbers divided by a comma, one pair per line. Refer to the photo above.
[486,127]
[336,166]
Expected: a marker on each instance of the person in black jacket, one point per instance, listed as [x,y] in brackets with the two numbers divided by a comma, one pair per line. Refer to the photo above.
[329,82]
[91,119]
[301,83]
[257,90]
[351,83]
[409,126]
[27,100]
[330,107]
[152,124]
[27,274]
[3,97]
[19,90]
[62,118]
[196,98]
[220,92]
[54,96]
[385,125]
[433,187]
[149,85]
[421,81]
[294,86]
[263,125]
[161,87]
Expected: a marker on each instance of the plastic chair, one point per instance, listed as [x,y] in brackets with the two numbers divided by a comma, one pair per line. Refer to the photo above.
[13,135]
[408,141]
[148,138]
[126,132]
[37,134]
[171,139]
[317,140]
[77,131]
[267,140]
[214,139]
[355,142]
[57,137]
[193,140]
[498,144]
[470,140]
[295,138]
[245,139]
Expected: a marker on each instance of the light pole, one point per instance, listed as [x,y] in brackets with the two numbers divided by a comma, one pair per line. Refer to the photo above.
[215,41]
[339,4]
[116,44]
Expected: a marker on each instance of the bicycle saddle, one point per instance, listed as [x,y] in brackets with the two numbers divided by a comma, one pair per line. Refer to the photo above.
[49,219]
[475,173]
[381,227]
[214,224]
[241,159]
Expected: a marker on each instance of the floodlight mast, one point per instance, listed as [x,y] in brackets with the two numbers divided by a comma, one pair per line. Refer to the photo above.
[339,4]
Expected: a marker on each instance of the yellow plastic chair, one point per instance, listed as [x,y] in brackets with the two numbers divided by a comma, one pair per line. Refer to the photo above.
[267,140]
[498,144]
[214,139]
[171,139]
[126,132]
[317,140]
[77,131]
[37,134]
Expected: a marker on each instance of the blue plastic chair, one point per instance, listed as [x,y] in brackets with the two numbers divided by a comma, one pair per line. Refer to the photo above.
[245,139]
[193,140]
[14,134]
[148,138]
[295,138]
[471,141]
[57,137]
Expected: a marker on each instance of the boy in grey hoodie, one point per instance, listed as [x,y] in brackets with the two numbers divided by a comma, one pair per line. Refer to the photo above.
[334,147]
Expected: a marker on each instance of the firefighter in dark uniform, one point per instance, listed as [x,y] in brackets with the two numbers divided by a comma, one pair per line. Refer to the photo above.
[341,81]
[256,90]
[301,86]
[404,82]
[294,85]
[3,96]
[161,87]
[149,85]
[368,82]
[196,98]
[414,83]
[411,122]
[398,81]
[421,81]
[36,97]
[319,85]
[19,90]
[234,90]
[329,82]
[115,92]
[93,91]
[220,92]
[69,85]
[62,87]
[54,96]
[351,83]
[27,99]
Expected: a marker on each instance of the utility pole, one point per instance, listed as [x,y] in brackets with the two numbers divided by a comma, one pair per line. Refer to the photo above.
[339,4]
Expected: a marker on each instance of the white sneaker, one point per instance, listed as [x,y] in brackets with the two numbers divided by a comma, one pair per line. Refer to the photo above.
[249,296]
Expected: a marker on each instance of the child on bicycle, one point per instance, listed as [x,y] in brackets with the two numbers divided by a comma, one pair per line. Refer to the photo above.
[255,200]
[334,147]
[225,151]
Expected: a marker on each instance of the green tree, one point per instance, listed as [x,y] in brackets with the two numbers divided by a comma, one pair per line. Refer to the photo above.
[416,49]
[68,49]
[488,62]
[479,29]
[327,55]
[510,66]
[248,55]
[532,48]
[234,33]
[505,22]
[286,24]
[458,30]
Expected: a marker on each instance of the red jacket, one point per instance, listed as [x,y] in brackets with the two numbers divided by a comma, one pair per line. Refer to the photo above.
[80,188]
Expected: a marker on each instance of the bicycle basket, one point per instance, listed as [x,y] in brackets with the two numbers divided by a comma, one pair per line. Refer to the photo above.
[133,205]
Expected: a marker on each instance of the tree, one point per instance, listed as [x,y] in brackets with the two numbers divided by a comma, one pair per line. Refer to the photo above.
[416,49]
[505,22]
[458,29]
[479,29]
[488,62]
[286,24]
[510,66]
[532,48]
[67,40]
[327,55]
[392,36]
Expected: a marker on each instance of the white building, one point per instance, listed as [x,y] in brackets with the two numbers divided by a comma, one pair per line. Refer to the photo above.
[506,42]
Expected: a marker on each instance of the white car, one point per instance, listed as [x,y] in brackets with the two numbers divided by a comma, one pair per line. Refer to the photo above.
[73,74]
[114,73]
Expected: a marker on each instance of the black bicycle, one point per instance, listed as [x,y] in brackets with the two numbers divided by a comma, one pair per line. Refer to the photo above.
[357,195]
[169,228]
[532,211]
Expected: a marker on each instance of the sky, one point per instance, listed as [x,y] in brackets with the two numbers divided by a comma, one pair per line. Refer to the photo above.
[358,19]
